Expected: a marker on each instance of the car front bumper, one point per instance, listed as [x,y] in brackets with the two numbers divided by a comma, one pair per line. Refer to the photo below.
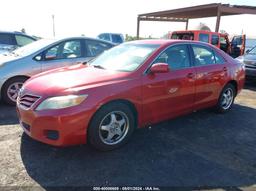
[57,127]
[250,72]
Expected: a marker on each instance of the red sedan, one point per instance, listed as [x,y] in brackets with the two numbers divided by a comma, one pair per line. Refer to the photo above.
[135,84]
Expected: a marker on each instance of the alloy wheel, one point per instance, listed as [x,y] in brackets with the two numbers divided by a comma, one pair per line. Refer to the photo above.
[114,127]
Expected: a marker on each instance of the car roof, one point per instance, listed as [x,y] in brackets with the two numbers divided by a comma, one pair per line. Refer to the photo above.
[167,42]
[83,37]
[17,32]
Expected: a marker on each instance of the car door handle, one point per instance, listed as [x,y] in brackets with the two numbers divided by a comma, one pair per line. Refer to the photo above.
[225,69]
[190,75]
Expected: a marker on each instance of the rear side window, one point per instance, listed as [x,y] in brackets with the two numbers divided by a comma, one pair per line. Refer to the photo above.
[117,38]
[183,36]
[177,57]
[203,55]
[219,59]
[23,40]
[7,39]
[94,48]
[204,37]
[215,40]
[105,37]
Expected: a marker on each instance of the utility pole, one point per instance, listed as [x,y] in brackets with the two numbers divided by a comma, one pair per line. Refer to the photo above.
[53,26]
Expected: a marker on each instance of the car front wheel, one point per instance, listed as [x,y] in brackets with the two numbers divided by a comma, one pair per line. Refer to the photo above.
[111,126]
[11,89]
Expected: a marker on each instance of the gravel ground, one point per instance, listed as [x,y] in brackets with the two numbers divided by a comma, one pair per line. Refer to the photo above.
[202,149]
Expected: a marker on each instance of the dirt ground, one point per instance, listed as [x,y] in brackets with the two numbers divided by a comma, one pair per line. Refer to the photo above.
[202,149]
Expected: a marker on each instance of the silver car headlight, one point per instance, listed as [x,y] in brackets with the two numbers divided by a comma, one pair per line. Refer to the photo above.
[61,102]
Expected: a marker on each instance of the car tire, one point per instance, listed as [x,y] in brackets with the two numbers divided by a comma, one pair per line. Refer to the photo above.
[111,126]
[10,90]
[226,99]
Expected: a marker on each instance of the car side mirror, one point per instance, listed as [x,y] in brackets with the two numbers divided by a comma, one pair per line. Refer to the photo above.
[159,68]
[50,57]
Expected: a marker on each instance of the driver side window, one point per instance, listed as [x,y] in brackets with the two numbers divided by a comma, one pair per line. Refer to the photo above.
[65,50]
[177,57]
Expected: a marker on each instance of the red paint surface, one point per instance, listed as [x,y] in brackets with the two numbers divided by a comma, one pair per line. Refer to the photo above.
[155,96]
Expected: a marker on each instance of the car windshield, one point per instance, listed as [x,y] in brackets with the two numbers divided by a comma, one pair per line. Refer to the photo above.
[252,51]
[126,57]
[32,47]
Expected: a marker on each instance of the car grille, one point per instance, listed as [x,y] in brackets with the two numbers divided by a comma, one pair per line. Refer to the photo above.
[250,63]
[27,101]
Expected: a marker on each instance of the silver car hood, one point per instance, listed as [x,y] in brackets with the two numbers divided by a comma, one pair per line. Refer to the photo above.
[7,58]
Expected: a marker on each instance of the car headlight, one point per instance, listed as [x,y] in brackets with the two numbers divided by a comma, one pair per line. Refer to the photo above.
[61,102]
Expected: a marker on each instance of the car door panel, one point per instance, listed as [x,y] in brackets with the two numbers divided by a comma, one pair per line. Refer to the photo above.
[209,77]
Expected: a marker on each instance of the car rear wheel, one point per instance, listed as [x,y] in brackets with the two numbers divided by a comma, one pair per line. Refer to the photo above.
[11,89]
[111,126]
[226,99]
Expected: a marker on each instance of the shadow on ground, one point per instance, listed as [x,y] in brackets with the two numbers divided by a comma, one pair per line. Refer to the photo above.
[201,149]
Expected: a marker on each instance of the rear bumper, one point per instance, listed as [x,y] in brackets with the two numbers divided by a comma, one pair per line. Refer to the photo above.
[62,128]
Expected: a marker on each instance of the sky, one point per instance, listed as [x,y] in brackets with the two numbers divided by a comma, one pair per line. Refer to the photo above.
[92,17]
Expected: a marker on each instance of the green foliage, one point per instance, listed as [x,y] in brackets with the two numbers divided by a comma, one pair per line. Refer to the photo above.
[131,38]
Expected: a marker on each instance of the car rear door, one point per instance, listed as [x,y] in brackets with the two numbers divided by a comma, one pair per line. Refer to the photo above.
[166,95]
[211,74]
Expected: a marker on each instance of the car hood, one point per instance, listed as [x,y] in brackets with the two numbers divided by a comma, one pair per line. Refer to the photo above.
[71,79]
[249,57]
[7,57]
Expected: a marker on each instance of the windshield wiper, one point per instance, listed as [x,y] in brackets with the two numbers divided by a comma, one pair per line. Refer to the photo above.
[98,66]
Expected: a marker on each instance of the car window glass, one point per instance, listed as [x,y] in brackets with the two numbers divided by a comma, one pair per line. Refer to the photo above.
[7,39]
[204,37]
[203,56]
[176,57]
[23,40]
[104,37]
[215,40]
[117,38]
[52,53]
[219,59]
[95,48]
[69,49]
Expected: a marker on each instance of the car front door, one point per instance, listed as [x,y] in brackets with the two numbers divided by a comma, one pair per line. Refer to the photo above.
[166,95]
[211,74]
[63,54]
[238,45]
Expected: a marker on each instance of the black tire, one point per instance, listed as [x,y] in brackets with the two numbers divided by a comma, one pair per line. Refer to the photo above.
[95,131]
[220,108]
[7,84]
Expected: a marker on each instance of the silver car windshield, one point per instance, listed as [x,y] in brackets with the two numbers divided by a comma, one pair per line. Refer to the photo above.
[125,57]
[33,47]
[253,50]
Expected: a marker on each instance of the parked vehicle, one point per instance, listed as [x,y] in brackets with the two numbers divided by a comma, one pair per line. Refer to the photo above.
[132,85]
[43,55]
[9,41]
[249,60]
[235,47]
[112,37]
[249,43]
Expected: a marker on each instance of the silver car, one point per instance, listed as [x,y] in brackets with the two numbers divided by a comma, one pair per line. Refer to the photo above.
[43,55]
[249,60]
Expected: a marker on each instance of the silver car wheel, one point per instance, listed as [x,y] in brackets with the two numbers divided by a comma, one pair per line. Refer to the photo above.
[114,127]
[13,90]
[227,98]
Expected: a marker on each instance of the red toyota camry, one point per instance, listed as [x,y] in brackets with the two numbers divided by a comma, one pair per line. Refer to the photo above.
[132,85]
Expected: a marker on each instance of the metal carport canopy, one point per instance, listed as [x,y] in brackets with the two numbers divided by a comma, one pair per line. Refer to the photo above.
[201,11]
